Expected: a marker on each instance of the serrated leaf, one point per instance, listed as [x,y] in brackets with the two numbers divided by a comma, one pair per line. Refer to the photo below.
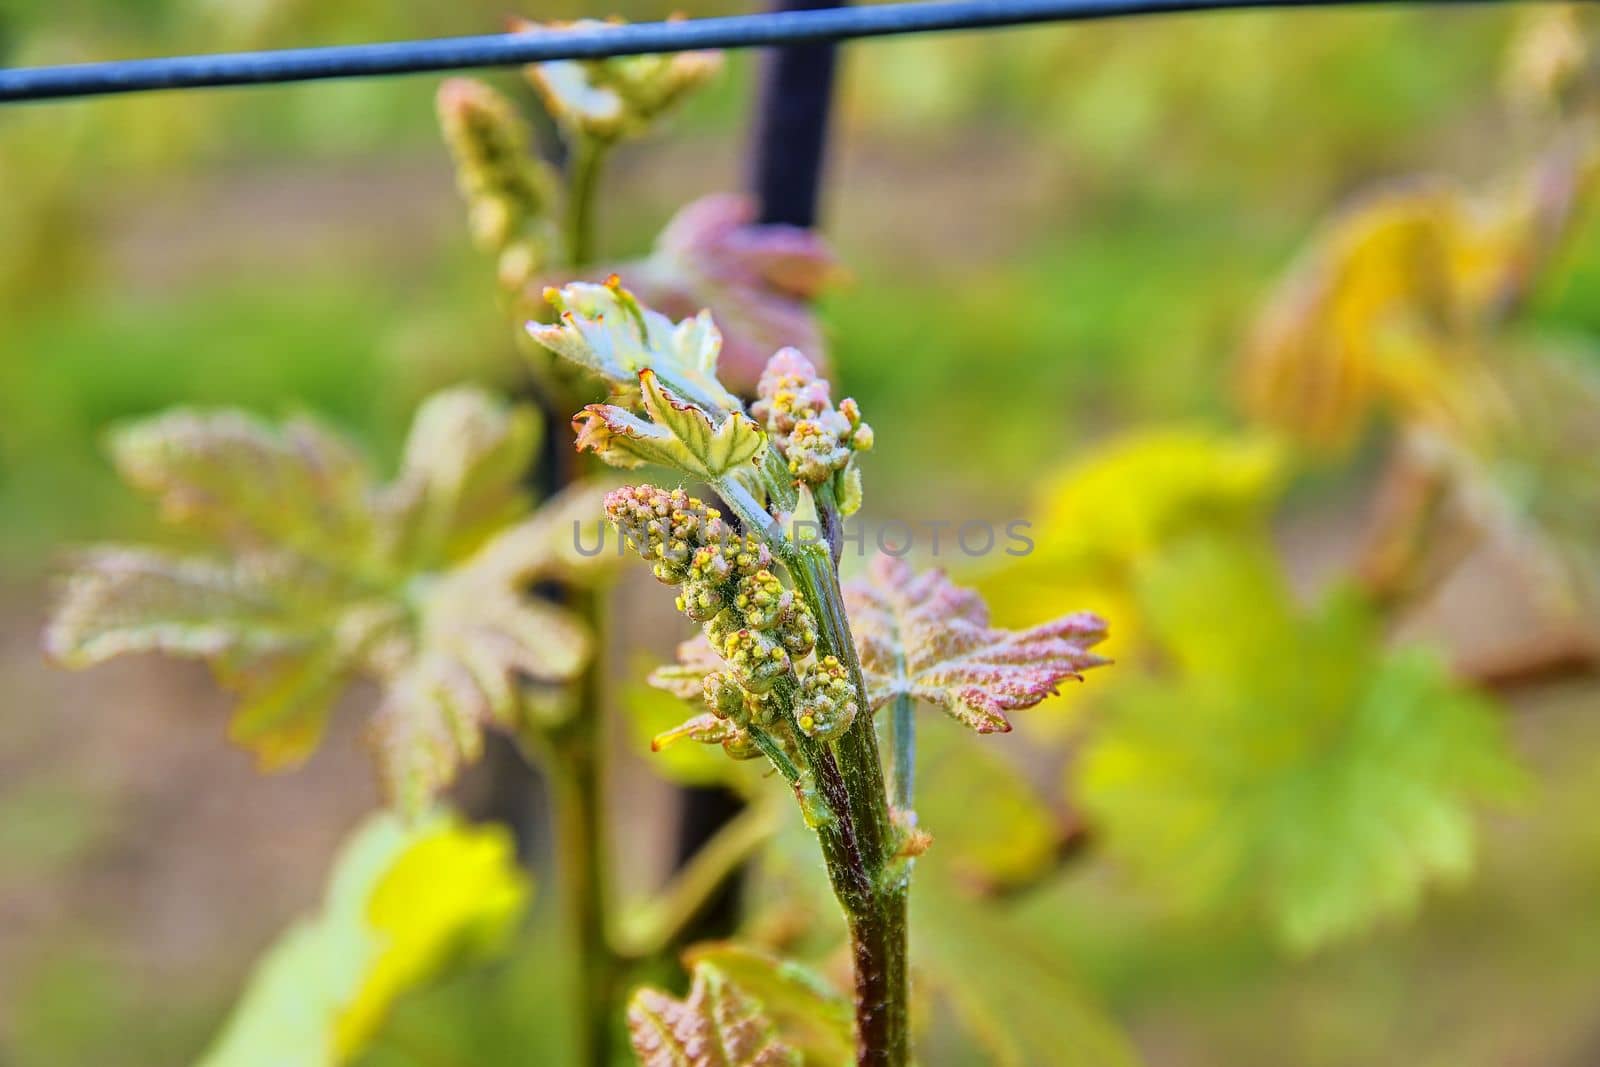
[1291,764]
[130,600]
[299,488]
[677,434]
[922,636]
[606,331]
[317,575]
[406,905]
[565,540]
[477,639]
[810,1015]
[461,478]
[273,627]
[717,1025]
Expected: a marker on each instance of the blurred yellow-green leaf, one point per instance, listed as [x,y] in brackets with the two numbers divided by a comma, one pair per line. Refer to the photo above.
[1288,764]
[406,905]
[1097,522]
[990,825]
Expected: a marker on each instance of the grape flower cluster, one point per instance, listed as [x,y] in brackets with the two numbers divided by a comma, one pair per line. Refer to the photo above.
[816,439]
[756,624]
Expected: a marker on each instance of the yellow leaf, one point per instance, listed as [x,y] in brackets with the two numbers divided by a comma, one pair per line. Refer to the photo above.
[407,904]
[1386,310]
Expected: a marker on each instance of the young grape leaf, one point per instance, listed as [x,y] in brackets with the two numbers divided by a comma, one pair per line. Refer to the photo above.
[717,1025]
[461,477]
[677,434]
[476,640]
[407,904]
[810,1015]
[299,488]
[1291,764]
[317,575]
[922,636]
[606,331]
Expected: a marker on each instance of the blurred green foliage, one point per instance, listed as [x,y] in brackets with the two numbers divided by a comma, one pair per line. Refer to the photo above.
[406,905]
[1288,766]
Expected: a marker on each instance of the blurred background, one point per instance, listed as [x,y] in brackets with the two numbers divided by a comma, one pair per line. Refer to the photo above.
[1053,235]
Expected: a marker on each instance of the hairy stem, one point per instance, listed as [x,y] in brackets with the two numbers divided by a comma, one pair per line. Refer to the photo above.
[858,842]
[861,852]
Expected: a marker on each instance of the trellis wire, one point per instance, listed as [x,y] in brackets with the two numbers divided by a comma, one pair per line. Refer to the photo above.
[510,49]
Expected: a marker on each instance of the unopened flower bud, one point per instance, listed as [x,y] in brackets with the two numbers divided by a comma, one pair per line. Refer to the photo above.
[827,703]
[723,696]
[756,660]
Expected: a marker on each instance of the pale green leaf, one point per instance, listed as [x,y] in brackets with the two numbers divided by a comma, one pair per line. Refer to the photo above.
[1291,764]
[676,434]
[299,488]
[315,575]
[406,905]
[129,600]
[477,639]
[607,332]
[272,626]
[716,1025]
[567,540]
[461,478]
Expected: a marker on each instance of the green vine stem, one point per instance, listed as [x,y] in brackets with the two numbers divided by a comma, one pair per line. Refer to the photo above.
[903,746]
[583,185]
[859,844]
[572,759]
[576,746]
